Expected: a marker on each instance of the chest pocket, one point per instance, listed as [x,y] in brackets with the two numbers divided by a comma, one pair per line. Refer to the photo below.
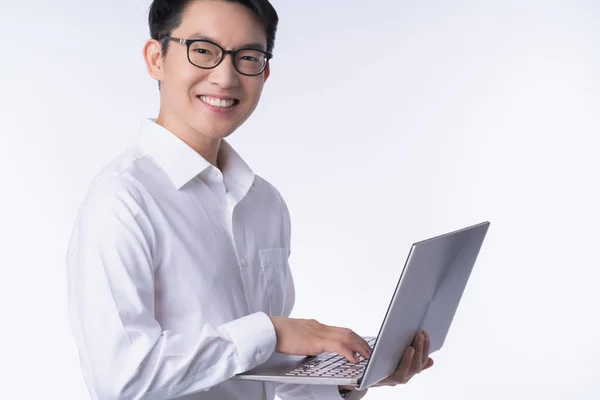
[275,271]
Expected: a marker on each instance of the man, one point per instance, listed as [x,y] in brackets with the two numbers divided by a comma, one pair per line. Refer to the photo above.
[178,262]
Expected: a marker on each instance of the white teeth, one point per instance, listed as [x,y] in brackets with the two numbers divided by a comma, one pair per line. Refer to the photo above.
[217,102]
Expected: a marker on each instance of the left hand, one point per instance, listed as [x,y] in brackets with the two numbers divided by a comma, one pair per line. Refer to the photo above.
[414,361]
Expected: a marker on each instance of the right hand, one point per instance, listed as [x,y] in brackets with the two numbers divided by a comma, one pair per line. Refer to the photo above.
[307,337]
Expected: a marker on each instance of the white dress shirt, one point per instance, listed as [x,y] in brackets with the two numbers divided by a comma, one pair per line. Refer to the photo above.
[173,268]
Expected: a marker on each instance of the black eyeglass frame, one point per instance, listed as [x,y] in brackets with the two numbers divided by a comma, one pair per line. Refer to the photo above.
[189,42]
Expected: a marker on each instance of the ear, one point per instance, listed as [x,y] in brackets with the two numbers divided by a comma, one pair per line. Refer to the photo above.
[153,57]
[268,71]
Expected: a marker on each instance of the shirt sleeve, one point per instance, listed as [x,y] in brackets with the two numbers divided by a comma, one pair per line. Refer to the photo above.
[124,352]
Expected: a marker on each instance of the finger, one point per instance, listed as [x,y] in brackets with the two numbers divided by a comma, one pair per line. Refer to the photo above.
[385,382]
[417,365]
[365,345]
[401,374]
[415,339]
[369,350]
[357,347]
[356,343]
[360,345]
[429,364]
[336,342]
[346,352]
[425,359]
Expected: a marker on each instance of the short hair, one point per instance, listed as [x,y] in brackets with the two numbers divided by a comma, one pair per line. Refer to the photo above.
[166,15]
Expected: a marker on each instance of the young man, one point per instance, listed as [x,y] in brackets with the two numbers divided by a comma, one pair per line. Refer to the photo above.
[178,262]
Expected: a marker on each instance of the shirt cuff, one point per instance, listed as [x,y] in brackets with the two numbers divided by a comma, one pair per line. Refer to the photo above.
[254,338]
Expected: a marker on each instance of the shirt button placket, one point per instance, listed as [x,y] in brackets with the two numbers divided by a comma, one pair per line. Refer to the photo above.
[239,249]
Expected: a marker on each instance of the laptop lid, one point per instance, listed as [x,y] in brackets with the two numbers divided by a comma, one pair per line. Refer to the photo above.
[427,295]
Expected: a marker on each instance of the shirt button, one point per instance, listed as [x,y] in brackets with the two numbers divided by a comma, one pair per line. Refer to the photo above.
[243,262]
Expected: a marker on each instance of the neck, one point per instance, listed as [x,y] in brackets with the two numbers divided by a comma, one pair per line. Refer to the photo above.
[206,146]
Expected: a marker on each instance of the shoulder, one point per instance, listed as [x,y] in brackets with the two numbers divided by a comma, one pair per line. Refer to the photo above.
[119,184]
[271,200]
[114,216]
[267,190]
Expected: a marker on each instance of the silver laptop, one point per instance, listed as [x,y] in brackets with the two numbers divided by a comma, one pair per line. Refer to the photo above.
[426,298]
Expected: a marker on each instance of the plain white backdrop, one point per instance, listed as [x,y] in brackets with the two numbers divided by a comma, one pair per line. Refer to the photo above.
[383,123]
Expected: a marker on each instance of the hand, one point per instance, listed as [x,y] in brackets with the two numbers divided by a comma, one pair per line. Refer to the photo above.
[414,361]
[304,337]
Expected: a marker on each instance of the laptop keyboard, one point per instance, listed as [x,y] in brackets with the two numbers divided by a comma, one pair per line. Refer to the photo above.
[332,365]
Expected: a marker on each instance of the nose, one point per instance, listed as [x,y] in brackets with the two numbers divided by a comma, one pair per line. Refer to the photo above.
[224,75]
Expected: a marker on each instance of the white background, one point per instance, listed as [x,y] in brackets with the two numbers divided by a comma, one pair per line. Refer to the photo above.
[384,123]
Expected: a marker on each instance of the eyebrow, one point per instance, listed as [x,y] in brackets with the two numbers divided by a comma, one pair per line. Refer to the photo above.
[255,45]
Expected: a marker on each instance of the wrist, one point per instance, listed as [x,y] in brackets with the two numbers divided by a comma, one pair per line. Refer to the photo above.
[274,321]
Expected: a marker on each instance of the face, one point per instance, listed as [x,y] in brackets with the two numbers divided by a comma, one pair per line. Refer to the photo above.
[207,104]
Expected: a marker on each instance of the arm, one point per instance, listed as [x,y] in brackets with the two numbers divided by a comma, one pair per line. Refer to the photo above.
[124,351]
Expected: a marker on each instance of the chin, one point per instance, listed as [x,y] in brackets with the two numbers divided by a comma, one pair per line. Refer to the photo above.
[219,124]
[219,127]
[216,131]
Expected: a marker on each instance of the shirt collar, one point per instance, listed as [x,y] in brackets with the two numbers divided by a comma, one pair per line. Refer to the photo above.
[182,163]
[237,175]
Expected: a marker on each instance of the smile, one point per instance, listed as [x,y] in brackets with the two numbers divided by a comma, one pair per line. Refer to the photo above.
[217,102]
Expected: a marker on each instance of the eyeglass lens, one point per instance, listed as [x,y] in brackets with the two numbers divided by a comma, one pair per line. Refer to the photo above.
[207,55]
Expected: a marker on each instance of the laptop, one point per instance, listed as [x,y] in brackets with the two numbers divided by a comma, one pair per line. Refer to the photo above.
[426,297]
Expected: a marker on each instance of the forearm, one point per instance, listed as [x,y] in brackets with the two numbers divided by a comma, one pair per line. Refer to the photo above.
[162,365]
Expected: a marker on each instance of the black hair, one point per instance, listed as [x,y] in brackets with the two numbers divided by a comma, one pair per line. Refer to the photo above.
[166,15]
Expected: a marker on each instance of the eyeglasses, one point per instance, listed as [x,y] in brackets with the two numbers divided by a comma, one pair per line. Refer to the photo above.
[207,55]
